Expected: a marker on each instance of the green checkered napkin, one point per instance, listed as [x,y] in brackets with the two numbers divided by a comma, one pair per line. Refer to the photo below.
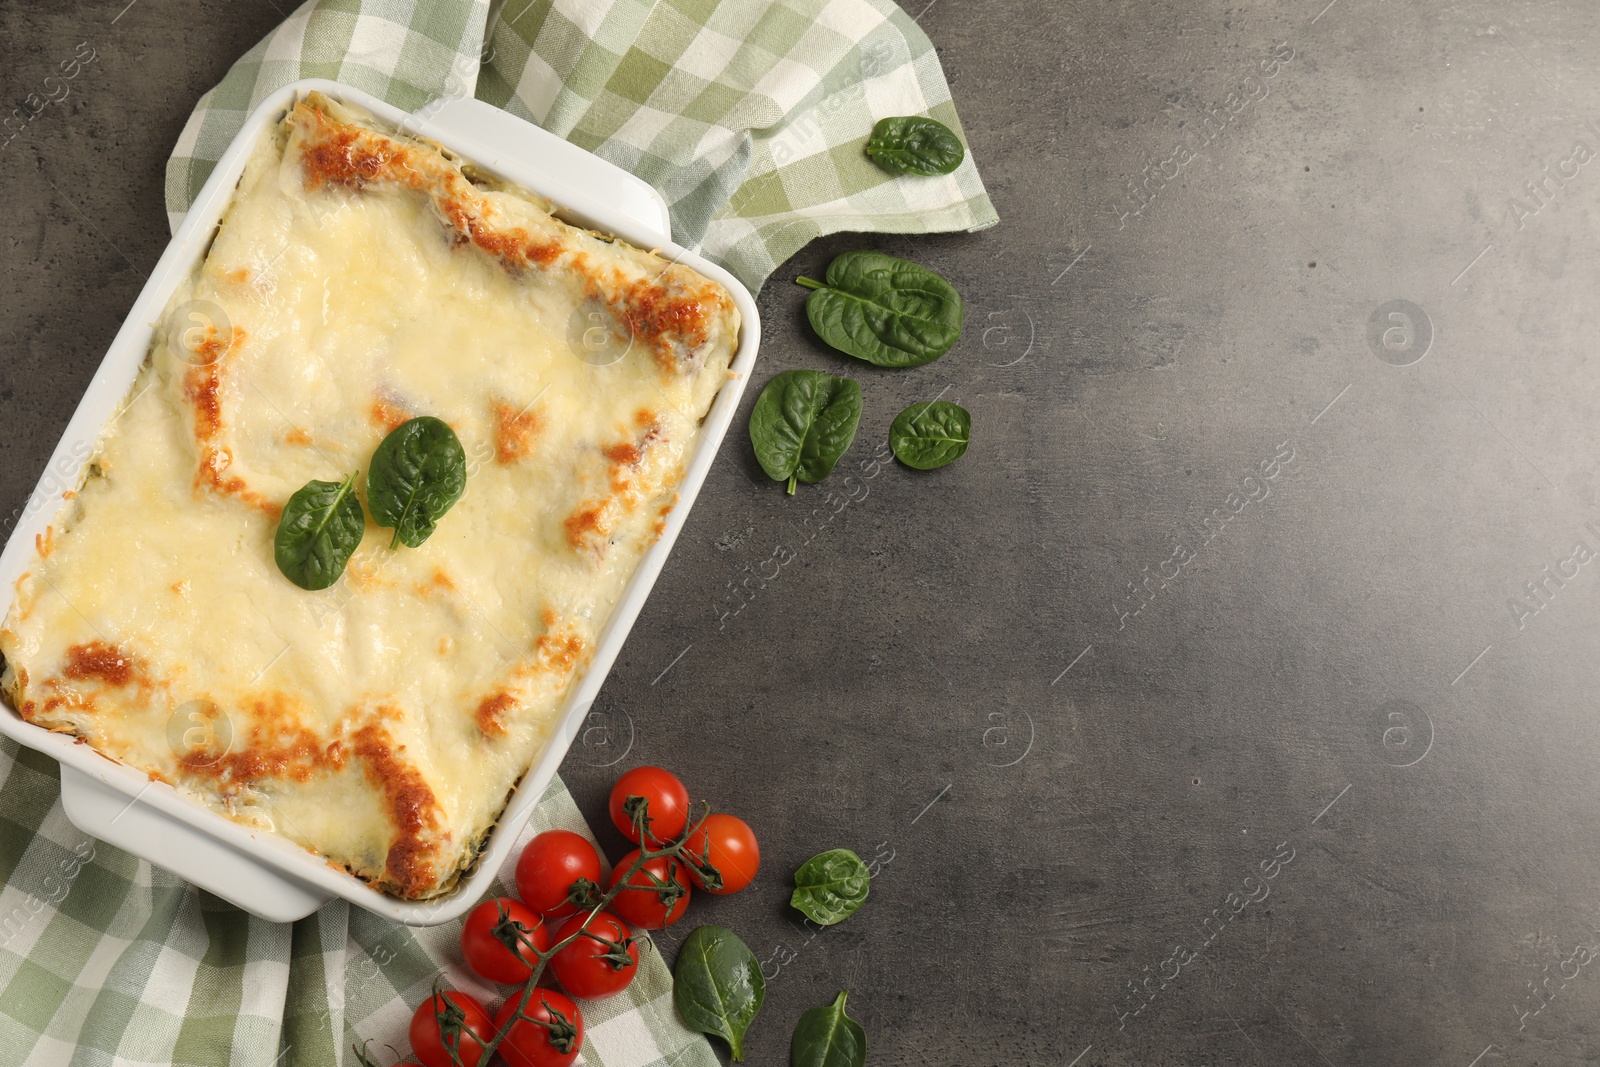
[750,117]
[107,960]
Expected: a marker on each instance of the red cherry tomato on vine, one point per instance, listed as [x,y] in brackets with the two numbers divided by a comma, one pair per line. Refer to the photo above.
[729,845]
[598,964]
[467,1028]
[668,801]
[548,867]
[664,898]
[492,958]
[528,1044]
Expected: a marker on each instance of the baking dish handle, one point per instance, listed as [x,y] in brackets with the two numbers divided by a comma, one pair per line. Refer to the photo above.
[108,814]
[559,170]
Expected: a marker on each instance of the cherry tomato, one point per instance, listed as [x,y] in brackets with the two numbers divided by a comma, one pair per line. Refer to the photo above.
[467,1028]
[664,900]
[601,962]
[727,843]
[530,1045]
[491,957]
[668,801]
[549,866]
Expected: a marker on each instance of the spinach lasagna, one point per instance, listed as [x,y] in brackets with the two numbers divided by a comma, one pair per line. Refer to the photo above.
[361,278]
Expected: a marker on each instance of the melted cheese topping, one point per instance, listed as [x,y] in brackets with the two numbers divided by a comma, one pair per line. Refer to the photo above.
[360,279]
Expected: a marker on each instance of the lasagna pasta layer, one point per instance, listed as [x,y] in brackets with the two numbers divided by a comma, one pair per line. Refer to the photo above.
[361,278]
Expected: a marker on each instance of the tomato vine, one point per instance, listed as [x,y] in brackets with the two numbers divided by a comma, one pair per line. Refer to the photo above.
[451,1021]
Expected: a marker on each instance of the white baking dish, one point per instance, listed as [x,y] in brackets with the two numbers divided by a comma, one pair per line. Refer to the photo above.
[263,873]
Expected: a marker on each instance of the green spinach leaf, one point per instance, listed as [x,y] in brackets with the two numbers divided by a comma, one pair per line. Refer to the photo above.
[829,887]
[321,526]
[717,985]
[802,423]
[827,1037]
[912,144]
[417,474]
[887,311]
[930,434]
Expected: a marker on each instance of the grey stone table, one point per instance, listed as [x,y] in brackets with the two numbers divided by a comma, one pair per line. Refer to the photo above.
[1231,700]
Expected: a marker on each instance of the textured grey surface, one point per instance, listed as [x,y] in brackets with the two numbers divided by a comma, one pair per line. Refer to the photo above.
[1332,667]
